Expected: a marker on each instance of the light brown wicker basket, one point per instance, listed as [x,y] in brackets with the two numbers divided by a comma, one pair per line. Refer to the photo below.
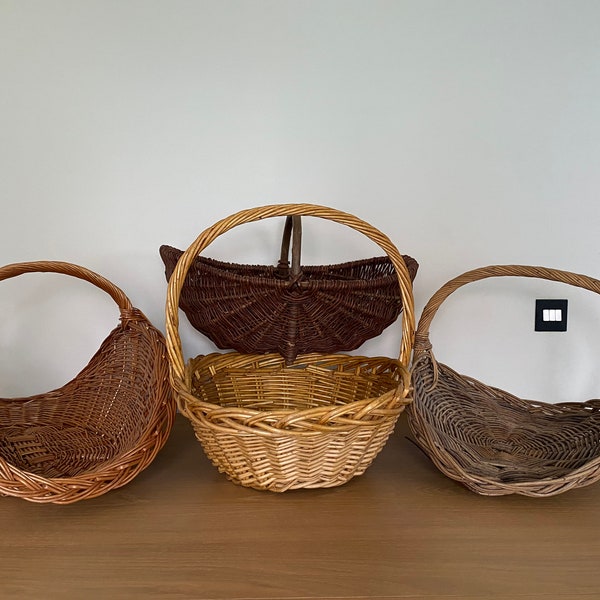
[316,422]
[97,432]
[489,440]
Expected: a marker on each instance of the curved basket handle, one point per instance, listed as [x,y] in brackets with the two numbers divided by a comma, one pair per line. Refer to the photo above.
[293,228]
[422,342]
[65,268]
[177,278]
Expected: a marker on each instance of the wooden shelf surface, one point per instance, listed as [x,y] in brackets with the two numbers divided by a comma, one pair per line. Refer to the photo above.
[181,530]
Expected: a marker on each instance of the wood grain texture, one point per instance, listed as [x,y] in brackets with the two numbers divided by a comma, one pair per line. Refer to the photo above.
[180,530]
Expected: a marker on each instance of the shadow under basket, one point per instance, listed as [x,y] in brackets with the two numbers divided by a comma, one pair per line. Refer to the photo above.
[289,309]
[271,424]
[490,440]
[97,432]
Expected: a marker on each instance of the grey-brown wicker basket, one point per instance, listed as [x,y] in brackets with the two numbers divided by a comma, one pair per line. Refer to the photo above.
[316,422]
[101,429]
[491,441]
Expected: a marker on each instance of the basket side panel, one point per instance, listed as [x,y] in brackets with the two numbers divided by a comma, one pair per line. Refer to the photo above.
[286,462]
[496,443]
[327,308]
[96,432]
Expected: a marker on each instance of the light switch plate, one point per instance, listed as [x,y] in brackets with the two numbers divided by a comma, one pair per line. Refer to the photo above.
[551,315]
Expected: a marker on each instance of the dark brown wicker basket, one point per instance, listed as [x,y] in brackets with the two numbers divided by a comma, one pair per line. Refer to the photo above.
[491,441]
[290,310]
[97,432]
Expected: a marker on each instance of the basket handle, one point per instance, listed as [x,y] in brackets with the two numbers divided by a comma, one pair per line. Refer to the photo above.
[177,278]
[293,227]
[422,343]
[65,268]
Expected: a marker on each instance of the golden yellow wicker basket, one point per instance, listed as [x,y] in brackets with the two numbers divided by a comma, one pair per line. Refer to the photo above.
[490,440]
[316,422]
[97,432]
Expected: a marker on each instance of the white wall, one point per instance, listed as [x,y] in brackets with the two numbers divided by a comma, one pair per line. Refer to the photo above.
[467,130]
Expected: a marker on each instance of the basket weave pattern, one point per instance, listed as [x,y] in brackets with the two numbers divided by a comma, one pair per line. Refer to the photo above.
[269,425]
[101,429]
[310,423]
[314,308]
[490,440]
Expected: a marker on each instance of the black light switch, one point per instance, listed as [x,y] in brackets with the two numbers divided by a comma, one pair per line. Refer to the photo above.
[551,315]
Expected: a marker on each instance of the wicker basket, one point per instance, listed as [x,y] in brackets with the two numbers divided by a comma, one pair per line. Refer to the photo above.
[101,429]
[271,426]
[489,440]
[290,310]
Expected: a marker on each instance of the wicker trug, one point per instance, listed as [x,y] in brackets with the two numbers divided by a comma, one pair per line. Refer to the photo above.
[311,424]
[490,440]
[289,309]
[101,429]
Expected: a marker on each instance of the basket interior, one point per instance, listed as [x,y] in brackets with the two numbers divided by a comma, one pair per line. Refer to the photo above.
[52,452]
[90,421]
[495,435]
[265,383]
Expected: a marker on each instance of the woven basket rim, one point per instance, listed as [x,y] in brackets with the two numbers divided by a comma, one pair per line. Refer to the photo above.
[278,422]
[213,264]
[552,407]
